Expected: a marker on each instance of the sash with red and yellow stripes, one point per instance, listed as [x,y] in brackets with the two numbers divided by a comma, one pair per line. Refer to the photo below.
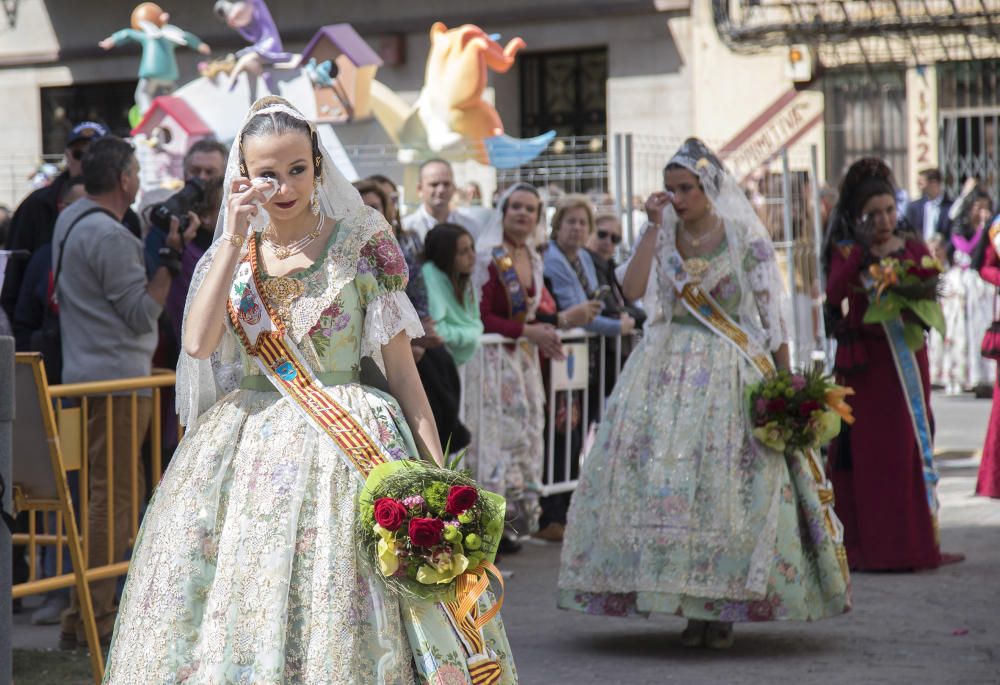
[264,337]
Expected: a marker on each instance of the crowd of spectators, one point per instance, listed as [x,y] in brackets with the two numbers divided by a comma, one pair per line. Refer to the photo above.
[100,291]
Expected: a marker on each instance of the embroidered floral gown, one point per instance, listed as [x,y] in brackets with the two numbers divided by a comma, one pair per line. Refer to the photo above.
[245,569]
[678,510]
[968,309]
[509,411]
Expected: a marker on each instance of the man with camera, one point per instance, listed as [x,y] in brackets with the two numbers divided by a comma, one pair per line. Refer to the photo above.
[204,165]
[195,207]
[108,311]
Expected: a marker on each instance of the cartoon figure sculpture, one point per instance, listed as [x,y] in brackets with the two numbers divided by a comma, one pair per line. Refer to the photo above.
[451,102]
[252,20]
[450,115]
[158,72]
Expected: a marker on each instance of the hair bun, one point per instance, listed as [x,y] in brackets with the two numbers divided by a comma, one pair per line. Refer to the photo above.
[866,168]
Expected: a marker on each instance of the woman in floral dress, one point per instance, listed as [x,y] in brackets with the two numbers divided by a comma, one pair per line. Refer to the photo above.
[246,569]
[679,510]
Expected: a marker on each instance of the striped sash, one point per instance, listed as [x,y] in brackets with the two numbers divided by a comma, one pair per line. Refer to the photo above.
[912,384]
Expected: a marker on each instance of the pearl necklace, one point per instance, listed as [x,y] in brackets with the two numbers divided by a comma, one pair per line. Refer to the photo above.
[286,251]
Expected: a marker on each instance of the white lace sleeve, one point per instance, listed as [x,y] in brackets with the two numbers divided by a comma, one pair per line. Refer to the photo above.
[201,382]
[385,316]
[652,299]
[768,289]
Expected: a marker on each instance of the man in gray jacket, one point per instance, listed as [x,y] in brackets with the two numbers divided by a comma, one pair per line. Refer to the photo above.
[108,312]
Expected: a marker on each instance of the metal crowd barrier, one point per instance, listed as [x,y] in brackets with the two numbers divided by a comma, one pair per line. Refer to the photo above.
[567,381]
[50,440]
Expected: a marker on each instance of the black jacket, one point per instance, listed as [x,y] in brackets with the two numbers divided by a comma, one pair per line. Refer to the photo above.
[30,228]
[915,215]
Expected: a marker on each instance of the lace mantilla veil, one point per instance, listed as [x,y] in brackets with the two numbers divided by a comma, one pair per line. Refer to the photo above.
[763,312]
[201,382]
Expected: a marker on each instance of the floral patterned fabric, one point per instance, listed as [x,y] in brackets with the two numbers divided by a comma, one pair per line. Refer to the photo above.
[245,569]
[678,510]
[509,413]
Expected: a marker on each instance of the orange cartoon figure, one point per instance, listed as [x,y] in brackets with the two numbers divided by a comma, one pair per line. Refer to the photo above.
[451,118]
[451,103]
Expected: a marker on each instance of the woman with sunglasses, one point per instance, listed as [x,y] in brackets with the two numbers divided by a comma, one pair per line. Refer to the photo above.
[570,268]
[602,245]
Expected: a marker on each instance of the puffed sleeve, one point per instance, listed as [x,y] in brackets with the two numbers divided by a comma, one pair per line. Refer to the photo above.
[761,267]
[845,264]
[381,281]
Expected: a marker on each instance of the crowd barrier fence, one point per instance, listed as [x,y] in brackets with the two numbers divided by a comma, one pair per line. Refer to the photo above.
[51,440]
[568,384]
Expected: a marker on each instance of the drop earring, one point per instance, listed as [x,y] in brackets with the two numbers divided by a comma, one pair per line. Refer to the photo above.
[315,197]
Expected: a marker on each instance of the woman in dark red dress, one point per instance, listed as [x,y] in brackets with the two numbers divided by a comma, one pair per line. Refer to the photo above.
[988,483]
[882,471]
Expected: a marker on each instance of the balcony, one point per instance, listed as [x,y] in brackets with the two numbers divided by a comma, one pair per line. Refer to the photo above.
[847,32]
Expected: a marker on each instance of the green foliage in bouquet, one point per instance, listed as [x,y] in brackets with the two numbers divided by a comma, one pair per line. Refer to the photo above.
[906,286]
[795,410]
[423,526]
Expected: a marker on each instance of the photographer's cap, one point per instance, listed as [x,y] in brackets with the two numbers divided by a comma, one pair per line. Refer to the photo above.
[86,130]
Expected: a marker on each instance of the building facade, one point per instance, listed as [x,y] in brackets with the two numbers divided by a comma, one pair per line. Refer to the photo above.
[914,82]
[656,69]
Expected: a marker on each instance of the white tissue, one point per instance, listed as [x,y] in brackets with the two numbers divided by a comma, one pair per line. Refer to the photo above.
[269,187]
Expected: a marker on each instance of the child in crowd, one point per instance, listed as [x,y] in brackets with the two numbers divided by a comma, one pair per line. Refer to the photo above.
[450,257]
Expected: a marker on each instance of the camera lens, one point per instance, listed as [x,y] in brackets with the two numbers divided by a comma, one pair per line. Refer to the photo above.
[177,205]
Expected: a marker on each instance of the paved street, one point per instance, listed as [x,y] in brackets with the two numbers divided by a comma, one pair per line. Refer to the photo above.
[938,627]
[933,627]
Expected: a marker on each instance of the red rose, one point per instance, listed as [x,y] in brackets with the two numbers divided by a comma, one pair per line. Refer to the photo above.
[924,274]
[776,406]
[808,407]
[461,498]
[426,532]
[389,513]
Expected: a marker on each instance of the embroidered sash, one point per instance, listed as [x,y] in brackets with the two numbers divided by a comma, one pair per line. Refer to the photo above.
[703,307]
[707,311]
[265,339]
[913,391]
[516,295]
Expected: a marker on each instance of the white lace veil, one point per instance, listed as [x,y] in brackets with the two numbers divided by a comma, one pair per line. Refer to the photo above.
[763,304]
[200,382]
[492,235]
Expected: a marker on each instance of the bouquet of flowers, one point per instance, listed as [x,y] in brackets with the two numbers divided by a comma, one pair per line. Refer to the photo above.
[907,286]
[793,410]
[424,526]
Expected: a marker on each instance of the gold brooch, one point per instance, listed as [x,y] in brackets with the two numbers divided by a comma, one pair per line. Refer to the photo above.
[281,293]
[702,163]
[696,268]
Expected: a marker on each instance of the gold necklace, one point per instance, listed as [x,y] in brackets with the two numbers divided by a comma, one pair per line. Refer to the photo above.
[695,241]
[286,251]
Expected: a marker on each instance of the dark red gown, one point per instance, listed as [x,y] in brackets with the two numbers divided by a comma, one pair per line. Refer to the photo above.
[988,483]
[875,465]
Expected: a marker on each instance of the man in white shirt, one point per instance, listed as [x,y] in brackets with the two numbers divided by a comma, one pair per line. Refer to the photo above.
[929,215]
[436,187]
